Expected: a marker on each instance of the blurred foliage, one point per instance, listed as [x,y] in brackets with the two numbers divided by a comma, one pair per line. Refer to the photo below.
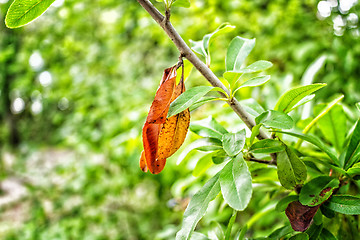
[75,87]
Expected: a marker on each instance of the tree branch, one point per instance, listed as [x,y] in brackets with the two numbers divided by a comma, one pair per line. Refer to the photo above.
[261,161]
[198,64]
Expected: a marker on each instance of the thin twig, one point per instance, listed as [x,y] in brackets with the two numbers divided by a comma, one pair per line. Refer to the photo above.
[262,161]
[198,64]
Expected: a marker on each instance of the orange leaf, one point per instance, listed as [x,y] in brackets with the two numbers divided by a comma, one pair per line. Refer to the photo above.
[163,136]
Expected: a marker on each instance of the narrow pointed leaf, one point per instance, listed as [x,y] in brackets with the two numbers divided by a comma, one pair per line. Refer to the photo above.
[186,99]
[209,144]
[230,225]
[275,119]
[233,143]
[290,98]
[209,38]
[317,190]
[235,182]
[22,12]
[257,66]
[353,150]
[208,127]
[237,52]
[197,207]
[267,146]
[314,140]
[344,204]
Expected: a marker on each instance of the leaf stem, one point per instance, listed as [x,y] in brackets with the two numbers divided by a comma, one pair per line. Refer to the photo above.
[198,64]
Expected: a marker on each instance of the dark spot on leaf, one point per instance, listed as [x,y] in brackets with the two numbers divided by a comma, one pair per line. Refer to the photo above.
[311,195]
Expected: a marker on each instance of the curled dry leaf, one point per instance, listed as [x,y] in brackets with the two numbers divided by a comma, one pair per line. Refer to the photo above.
[163,136]
[300,216]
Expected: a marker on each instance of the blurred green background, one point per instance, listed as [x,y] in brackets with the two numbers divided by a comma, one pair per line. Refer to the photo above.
[75,88]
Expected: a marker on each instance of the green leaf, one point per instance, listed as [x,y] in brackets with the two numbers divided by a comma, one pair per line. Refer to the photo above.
[219,157]
[333,125]
[314,231]
[202,144]
[326,235]
[209,38]
[230,225]
[208,127]
[202,101]
[291,170]
[237,52]
[252,107]
[202,165]
[254,82]
[354,170]
[187,98]
[280,232]
[241,234]
[317,190]
[233,143]
[202,47]
[181,3]
[257,66]
[198,47]
[290,98]
[303,101]
[353,150]
[254,132]
[314,140]
[235,182]
[267,146]
[197,207]
[22,12]
[300,236]
[283,203]
[344,204]
[275,119]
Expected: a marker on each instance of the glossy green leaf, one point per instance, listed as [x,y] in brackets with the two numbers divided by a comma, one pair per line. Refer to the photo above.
[202,144]
[187,98]
[267,146]
[275,119]
[233,143]
[333,126]
[344,204]
[306,99]
[257,66]
[353,149]
[22,12]
[181,3]
[317,190]
[290,98]
[197,207]
[232,77]
[283,203]
[202,165]
[208,127]
[314,140]
[237,52]
[291,170]
[300,236]
[235,182]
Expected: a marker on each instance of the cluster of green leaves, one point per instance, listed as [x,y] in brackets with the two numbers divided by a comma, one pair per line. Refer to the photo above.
[234,180]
